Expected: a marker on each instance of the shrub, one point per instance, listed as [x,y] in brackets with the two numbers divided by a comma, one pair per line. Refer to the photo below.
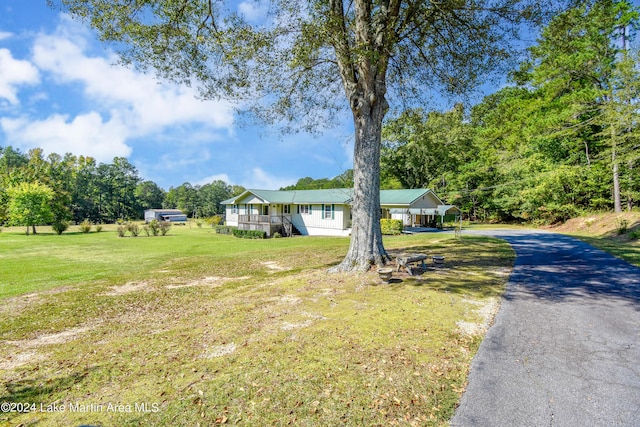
[98,228]
[391,226]
[634,235]
[250,234]
[133,228]
[214,220]
[122,229]
[60,226]
[224,229]
[199,223]
[164,227]
[277,235]
[622,226]
[85,226]
[154,226]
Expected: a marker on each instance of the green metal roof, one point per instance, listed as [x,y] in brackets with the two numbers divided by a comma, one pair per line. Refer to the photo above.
[402,197]
[336,195]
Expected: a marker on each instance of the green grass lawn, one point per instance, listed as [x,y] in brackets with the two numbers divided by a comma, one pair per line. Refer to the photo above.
[196,328]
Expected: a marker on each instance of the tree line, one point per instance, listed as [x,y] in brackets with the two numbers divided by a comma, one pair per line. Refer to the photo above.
[37,189]
[561,139]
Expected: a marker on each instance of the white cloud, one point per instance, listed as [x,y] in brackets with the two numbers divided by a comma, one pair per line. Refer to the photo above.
[85,134]
[253,11]
[260,180]
[121,104]
[5,35]
[145,104]
[15,72]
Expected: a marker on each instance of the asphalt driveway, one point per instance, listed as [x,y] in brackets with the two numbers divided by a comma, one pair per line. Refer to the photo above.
[565,346]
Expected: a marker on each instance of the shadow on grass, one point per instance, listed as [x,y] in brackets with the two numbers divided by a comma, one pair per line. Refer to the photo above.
[41,390]
[470,266]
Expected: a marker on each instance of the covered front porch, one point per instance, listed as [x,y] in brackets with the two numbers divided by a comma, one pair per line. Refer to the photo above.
[270,224]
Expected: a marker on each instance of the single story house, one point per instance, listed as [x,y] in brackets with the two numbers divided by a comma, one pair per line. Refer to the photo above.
[326,212]
[172,215]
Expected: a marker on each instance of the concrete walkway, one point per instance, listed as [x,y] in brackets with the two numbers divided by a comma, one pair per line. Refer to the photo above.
[565,346]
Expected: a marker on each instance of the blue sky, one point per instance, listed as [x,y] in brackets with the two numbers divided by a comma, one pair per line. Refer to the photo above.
[60,91]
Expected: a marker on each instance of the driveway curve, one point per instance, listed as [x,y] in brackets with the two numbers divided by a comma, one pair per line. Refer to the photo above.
[564,349]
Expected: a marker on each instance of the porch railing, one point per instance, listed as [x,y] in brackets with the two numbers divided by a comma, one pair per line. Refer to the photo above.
[263,219]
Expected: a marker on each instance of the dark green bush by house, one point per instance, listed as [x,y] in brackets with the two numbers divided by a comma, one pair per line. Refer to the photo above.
[250,234]
[224,229]
[391,226]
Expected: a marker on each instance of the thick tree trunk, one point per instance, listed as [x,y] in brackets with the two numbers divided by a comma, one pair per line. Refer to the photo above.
[366,247]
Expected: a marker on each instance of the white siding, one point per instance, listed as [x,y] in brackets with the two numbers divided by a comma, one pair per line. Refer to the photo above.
[231,219]
[315,224]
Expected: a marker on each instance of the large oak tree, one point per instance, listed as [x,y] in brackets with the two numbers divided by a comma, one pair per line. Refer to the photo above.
[310,60]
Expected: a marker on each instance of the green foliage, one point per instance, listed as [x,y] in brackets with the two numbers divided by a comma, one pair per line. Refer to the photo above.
[277,235]
[164,226]
[121,229]
[420,149]
[98,228]
[60,226]
[30,204]
[85,226]
[213,221]
[344,180]
[154,227]
[224,229]
[622,226]
[200,201]
[133,228]
[250,234]
[391,226]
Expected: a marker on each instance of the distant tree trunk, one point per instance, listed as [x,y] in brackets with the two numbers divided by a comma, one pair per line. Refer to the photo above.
[630,179]
[617,204]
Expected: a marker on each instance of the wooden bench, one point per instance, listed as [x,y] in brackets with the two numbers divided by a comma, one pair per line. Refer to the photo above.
[405,260]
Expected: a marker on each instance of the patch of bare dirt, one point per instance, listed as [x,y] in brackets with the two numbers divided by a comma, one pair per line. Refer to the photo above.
[26,350]
[128,288]
[211,281]
[20,302]
[274,266]
[16,360]
[220,350]
[48,339]
[486,311]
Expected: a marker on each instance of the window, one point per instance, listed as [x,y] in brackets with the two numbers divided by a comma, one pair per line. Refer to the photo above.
[234,209]
[265,210]
[304,209]
[328,212]
[286,209]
